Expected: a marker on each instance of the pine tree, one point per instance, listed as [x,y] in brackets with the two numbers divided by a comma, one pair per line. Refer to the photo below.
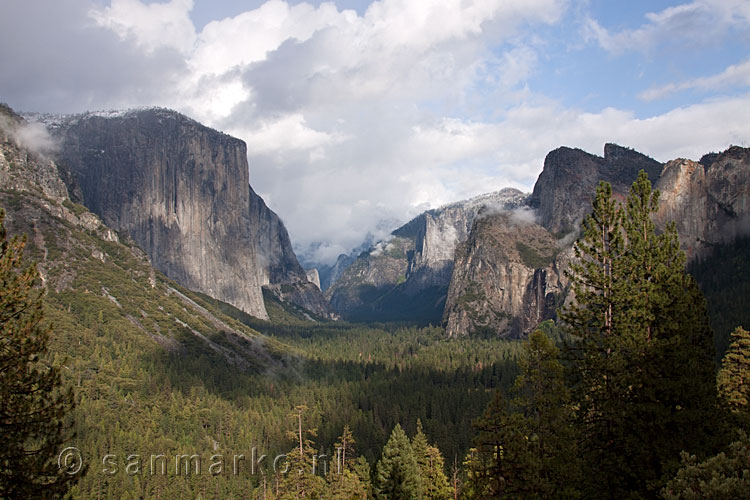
[301,480]
[593,273]
[33,402]
[345,451]
[543,398]
[349,479]
[642,365]
[726,475]
[526,449]
[431,467]
[733,379]
[595,277]
[671,358]
[498,464]
[397,473]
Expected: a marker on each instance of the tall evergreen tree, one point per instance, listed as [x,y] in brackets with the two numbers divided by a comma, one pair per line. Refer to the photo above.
[495,466]
[543,398]
[527,449]
[301,480]
[33,402]
[595,276]
[733,379]
[397,472]
[349,478]
[431,465]
[642,364]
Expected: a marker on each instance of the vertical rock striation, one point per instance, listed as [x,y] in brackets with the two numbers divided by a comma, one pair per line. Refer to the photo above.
[181,191]
[507,278]
[709,201]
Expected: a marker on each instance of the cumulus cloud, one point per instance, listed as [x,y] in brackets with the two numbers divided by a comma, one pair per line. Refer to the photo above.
[58,59]
[152,26]
[356,122]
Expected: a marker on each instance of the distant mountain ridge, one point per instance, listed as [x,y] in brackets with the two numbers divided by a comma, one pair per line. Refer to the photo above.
[565,188]
[407,276]
[493,264]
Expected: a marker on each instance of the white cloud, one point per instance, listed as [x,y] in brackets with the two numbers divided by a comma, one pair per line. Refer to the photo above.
[355,122]
[251,36]
[697,22]
[153,25]
[736,75]
[287,134]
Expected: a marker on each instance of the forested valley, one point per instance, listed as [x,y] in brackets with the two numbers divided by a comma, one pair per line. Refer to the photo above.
[619,399]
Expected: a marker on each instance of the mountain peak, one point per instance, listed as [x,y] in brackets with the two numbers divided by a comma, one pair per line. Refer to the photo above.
[563,192]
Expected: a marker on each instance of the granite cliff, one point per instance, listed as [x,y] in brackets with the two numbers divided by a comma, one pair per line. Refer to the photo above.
[708,200]
[181,191]
[100,287]
[509,275]
[407,276]
[564,191]
[507,278]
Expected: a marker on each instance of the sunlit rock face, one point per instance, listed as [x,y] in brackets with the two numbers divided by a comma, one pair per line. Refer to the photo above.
[709,201]
[507,278]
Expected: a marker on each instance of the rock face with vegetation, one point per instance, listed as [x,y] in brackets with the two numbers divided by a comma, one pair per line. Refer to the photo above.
[360,289]
[407,277]
[507,278]
[493,288]
[89,271]
[181,191]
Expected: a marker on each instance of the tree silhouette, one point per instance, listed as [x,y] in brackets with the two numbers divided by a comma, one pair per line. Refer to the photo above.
[33,402]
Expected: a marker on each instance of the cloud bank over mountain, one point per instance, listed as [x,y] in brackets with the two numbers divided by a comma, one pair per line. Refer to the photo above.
[355,117]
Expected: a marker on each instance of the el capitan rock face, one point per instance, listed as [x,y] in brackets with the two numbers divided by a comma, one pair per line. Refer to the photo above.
[181,191]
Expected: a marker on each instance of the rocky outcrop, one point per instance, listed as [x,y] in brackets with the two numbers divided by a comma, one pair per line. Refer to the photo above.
[181,191]
[507,278]
[565,189]
[709,201]
[313,277]
[330,273]
[493,289]
[438,232]
[76,253]
[21,168]
[278,264]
